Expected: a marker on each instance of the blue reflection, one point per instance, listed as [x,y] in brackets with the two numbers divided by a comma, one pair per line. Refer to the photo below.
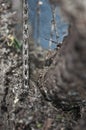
[45,23]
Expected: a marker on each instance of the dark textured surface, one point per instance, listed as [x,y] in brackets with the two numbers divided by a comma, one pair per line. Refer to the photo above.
[42,110]
[67,73]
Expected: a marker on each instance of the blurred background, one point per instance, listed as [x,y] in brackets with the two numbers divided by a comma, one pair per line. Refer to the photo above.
[42,15]
[45,23]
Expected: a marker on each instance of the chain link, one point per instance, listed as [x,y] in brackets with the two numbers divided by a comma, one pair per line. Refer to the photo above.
[25,46]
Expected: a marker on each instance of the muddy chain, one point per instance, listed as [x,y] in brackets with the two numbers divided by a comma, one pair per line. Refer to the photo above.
[25,49]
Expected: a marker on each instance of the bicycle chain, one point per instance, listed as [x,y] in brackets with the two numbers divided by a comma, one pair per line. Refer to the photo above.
[25,49]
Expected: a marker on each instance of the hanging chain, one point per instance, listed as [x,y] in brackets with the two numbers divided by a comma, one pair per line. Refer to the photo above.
[54,21]
[53,26]
[25,46]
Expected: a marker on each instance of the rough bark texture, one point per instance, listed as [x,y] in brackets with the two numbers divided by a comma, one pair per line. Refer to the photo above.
[66,77]
[21,110]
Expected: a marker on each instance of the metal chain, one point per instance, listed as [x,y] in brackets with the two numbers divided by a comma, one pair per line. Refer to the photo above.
[25,49]
[53,26]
